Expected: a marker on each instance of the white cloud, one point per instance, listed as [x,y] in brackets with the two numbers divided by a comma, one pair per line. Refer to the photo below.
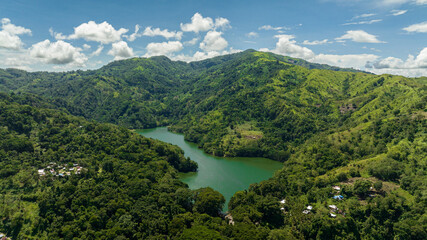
[316,42]
[411,62]
[134,35]
[392,2]
[419,27]
[86,46]
[9,41]
[164,33]
[198,56]
[365,15]
[57,36]
[120,50]
[363,22]
[400,2]
[347,61]
[413,66]
[213,41]
[163,48]
[192,41]
[398,12]
[198,24]
[103,32]
[222,23]
[7,26]
[269,27]
[252,35]
[97,51]
[9,38]
[359,36]
[421,2]
[287,46]
[58,52]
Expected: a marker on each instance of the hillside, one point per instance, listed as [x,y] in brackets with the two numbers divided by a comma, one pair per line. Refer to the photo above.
[244,104]
[363,133]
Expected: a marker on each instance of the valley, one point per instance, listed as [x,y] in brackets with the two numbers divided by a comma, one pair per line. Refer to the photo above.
[323,126]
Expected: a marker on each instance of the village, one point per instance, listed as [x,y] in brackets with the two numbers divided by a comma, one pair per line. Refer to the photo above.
[333,209]
[60,170]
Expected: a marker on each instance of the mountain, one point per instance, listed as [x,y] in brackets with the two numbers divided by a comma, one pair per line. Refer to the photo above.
[244,104]
[332,127]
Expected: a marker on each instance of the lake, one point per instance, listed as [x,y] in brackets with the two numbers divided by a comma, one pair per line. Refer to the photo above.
[227,175]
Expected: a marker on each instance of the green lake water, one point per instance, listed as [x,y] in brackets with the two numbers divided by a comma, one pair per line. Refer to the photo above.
[227,175]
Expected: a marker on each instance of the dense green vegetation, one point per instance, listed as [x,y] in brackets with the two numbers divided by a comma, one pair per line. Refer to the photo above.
[331,127]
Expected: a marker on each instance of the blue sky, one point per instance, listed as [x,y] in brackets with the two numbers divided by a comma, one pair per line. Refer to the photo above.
[381,36]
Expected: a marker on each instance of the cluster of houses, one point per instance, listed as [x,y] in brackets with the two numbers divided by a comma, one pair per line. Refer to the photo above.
[337,196]
[332,208]
[308,209]
[59,170]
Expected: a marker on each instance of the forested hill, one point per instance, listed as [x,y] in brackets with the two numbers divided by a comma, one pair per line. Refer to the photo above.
[63,177]
[245,104]
[354,147]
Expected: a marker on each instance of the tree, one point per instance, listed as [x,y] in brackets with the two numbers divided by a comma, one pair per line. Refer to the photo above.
[208,201]
[361,187]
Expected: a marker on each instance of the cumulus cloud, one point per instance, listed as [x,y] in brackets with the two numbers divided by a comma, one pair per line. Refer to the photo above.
[198,24]
[103,32]
[396,63]
[58,52]
[192,42]
[163,48]
[347,60]
[359,36]
[164,33]
[198,56]
[419,27]
[7,26]
[9,38]
[252,35]
[120,50]
[86,46]
[222,23]
[286,45]
[213,41]
[316,42]
[412,66]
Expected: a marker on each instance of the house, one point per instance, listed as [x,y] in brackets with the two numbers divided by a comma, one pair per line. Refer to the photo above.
[283,201]
[336,188]
[332,215]
[333,207]
[41,172]
[306,211]
[338,197]
[309,208]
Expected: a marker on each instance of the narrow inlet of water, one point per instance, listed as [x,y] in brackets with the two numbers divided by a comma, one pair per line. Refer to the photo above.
[227,175]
